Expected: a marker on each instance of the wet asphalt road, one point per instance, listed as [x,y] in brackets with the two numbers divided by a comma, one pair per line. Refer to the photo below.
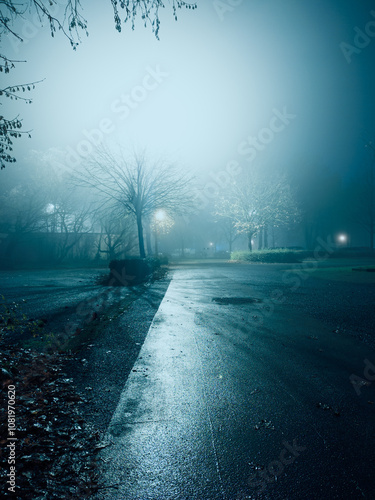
[247,400]
[251,399]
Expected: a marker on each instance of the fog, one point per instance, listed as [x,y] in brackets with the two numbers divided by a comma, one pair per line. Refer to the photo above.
[285,85]
[187,234]
[222,73]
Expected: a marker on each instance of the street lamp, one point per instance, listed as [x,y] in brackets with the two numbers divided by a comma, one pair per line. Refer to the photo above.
[159,216]
[342,239]
[50,208]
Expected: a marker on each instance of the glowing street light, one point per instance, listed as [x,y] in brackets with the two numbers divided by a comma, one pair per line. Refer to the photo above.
[160,215]
[50,208]
[343,239]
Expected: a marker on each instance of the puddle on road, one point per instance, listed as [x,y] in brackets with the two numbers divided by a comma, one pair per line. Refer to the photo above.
[235,300]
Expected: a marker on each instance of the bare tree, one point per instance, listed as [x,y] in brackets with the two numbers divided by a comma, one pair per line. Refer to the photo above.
[240,207]
[22,211]
[72,23]
[228,230]
[117,234]
[181,233]
[40,208]
[259,199]
[137,186]
[71,220]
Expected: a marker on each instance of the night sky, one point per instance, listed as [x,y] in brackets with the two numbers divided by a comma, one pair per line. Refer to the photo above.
[217,76]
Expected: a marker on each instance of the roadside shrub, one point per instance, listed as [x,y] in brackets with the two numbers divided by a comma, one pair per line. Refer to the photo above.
[156,262]
[164,260]
[129,272]
[282,255]
[153,262]
[133,271]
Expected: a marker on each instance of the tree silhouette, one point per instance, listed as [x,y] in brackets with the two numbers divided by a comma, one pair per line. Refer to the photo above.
[136,186]
[258,200]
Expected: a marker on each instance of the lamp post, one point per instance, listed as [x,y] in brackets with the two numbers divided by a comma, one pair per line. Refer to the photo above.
[159,217]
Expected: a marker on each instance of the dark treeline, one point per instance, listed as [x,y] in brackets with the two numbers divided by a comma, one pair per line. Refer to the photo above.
[49,218]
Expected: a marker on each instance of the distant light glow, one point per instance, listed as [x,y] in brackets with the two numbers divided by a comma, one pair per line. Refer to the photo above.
[50,208]
[343,238]
[160,215]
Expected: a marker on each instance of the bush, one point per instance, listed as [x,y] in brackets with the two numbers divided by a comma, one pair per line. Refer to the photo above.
[133,271]
[129,272]
[164,260]
[153,262]
[282,255]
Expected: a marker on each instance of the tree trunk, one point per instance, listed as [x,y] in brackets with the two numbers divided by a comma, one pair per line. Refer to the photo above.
[249,243]
[141,240]
[230,239]
[99,244]
[260,239]
[265,237]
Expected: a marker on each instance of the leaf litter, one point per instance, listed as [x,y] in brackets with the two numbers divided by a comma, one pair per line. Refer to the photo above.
[55,448]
